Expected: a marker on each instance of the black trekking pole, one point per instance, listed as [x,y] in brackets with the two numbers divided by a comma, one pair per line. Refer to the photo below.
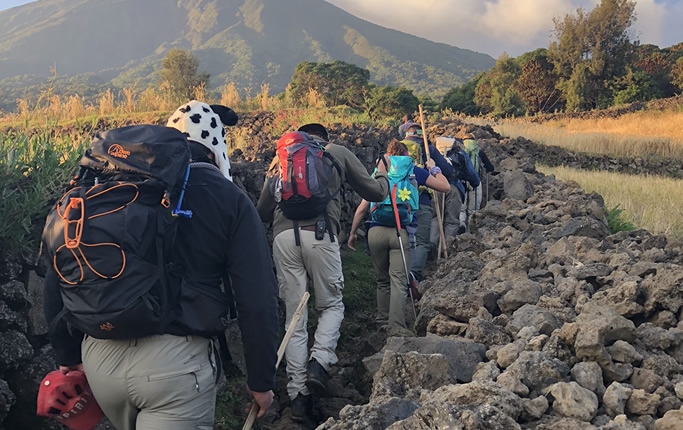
[392,196]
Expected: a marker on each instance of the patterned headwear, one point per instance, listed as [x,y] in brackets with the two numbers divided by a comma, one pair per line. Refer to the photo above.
[203,123]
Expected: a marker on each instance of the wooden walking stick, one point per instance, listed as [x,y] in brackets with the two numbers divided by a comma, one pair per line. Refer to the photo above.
[442,197]
[442,237]
[280,353]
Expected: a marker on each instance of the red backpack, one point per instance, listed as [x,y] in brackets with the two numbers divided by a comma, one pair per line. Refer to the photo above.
[305,168]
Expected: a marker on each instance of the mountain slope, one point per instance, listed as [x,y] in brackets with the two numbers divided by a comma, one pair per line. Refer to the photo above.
[245,41]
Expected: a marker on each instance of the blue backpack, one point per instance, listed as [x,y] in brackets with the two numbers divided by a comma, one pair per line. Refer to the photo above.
[403,189]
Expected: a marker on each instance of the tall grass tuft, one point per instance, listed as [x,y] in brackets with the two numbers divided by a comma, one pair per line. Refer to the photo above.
[230,96]
[265,88]
[616,221]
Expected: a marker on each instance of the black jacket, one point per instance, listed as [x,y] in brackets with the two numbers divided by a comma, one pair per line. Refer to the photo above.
[223,241]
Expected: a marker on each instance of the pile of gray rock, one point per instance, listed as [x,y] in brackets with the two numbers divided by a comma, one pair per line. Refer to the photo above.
[539,319]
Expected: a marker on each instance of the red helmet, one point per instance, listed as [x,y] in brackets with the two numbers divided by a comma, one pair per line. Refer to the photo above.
[66,396]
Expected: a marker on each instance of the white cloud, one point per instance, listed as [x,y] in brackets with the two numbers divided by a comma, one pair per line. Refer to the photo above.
[649,20]
[519,21]
[512,26]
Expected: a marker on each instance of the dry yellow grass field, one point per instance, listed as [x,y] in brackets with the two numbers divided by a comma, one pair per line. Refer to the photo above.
[640,134]
[649,202]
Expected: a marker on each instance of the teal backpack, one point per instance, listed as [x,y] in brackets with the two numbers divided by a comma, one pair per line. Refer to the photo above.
[403,188]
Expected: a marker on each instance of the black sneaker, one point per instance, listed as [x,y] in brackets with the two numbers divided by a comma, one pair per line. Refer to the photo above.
[301,407]
[316,378]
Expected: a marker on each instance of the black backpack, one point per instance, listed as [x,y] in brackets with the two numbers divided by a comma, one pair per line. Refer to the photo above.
[109,237]
[456,157]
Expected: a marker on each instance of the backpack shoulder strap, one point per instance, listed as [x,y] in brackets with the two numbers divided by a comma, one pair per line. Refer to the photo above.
[384,161]
[337,167]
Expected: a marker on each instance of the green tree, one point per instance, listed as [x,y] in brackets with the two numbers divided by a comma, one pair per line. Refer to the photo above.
[338,83]
[593,50]
[677,74]
[497,93]
[656,64]
[385,102]
[635,86]
[575,89]
[483,94]
[180,75]
[537,83]
[461,98]
[427,102]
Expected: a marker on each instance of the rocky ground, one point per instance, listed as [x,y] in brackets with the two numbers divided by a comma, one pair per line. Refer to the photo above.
[538,319]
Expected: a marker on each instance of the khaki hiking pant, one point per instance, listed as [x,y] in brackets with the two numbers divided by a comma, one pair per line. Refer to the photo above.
[392,281]
[319,261]
[160,382]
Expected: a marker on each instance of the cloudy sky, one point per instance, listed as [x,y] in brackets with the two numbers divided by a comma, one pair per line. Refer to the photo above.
[497,26]
[512,26]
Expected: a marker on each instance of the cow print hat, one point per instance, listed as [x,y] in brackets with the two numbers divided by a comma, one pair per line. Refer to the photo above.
[203,123]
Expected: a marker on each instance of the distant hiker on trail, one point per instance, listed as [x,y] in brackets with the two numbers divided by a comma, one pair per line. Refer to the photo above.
[406,121]
[415,144]
[145,286]
[482,165]
[463,174]
[301,196]
[387,236]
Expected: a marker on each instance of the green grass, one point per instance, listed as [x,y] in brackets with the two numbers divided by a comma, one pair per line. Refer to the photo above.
[359,282]
[616,220]
[34,172]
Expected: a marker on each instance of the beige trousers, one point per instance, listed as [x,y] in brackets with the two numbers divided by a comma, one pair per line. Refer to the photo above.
[392,282]
[319,261]
[160,382]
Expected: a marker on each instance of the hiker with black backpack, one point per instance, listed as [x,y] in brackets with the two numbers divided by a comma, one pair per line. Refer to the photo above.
[141,253]
[387,235]
[301,197]
[464,175]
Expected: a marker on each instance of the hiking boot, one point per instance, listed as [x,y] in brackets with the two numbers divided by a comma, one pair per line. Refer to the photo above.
[461,230]
[316,378]
[301,407]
